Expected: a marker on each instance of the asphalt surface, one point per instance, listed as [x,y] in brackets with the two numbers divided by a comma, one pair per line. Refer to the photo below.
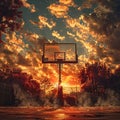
[64,113]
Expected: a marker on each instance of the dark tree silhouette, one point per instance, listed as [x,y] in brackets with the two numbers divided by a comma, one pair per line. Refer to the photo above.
[114,81]
[94,77]
[10,15]
[45,85]
[26,82]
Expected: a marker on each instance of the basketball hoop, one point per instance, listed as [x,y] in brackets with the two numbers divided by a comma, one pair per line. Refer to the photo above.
[60,53]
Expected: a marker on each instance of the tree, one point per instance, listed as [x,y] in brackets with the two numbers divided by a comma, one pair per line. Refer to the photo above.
[45,84]
[94,77]
[10,15]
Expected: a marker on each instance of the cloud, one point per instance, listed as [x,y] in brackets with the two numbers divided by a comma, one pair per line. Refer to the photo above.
[86,4]
[44,22]
[80,30]
[113,40]
[21,60]
[80,33]
[16,51]
[76,26]
[10,49]
[59,10]
[57,35]
[105,18]
[104,26]
[67,2]
[70,34]
[24,53]
[29,6]
[71,22]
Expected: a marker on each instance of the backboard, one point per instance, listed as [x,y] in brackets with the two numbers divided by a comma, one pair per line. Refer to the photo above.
[59,53]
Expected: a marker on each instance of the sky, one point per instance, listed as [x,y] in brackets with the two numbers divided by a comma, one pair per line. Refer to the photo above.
[94,25]
[53,20]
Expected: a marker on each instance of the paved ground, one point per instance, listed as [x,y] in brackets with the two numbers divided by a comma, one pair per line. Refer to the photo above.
[65,113]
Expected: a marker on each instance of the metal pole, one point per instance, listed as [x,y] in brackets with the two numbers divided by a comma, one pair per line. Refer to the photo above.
[60,89]
[59,83]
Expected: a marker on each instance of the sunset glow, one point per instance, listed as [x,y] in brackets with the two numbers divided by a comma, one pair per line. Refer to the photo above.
[85,23]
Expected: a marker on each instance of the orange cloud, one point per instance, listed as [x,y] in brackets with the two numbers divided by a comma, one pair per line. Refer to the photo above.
[59,10]
[70,34]
[71,22]
[29,6]
[80,33]
[86,4]
[67,2]
[57,35]
[43,22]
[80,30]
